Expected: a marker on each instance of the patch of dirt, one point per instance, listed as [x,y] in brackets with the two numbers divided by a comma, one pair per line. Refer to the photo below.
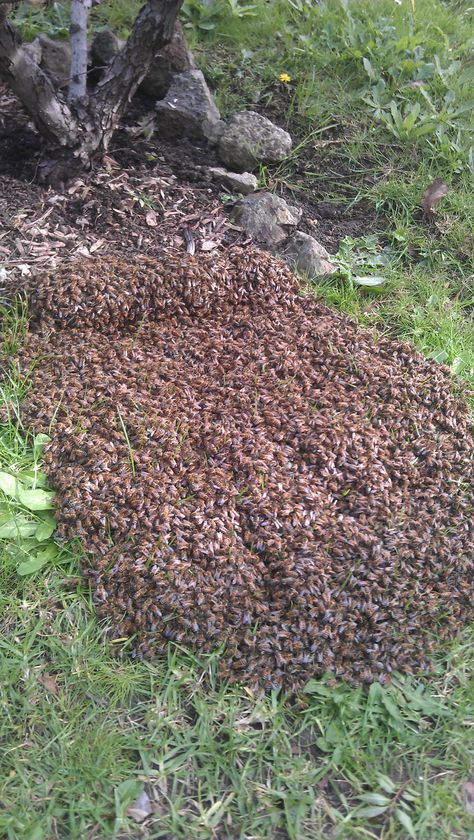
[331,223]
[317,171]
[147,194]
[145,197]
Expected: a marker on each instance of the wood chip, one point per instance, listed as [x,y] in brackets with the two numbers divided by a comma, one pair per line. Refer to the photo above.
[151,219]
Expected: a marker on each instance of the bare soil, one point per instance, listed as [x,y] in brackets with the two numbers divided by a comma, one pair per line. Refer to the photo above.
[147,195]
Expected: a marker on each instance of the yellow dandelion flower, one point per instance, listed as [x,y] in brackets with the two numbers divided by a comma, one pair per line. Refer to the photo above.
[284,77]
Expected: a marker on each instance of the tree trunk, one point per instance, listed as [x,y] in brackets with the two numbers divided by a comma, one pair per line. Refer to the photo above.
[51,115]
[79,19]
[79,132]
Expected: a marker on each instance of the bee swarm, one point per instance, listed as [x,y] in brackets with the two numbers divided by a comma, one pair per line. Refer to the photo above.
[245,465]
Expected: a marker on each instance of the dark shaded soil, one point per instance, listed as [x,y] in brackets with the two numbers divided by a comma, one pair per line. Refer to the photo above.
[100,202]
[133,203]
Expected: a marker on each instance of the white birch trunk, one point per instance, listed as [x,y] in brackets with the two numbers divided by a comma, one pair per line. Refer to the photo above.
[78,30]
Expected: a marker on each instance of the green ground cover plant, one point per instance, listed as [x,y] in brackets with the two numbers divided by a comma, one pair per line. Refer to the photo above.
[380,100]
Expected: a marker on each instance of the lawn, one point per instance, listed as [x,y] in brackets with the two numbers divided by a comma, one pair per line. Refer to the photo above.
[380,100]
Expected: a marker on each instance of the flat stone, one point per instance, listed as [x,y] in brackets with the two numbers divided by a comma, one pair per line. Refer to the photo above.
[250,139]
[305,254]
[188,108]
[241,182]
[267,218]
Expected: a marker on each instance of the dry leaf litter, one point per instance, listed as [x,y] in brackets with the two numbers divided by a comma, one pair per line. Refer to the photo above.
[246,466]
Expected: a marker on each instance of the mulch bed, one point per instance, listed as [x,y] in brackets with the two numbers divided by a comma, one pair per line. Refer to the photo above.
[147,195]
[133,203]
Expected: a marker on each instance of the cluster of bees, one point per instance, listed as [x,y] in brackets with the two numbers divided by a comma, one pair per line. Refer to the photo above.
[245,466]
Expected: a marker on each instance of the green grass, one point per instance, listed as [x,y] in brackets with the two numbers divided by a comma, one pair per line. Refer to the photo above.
[353,65]
[84,731]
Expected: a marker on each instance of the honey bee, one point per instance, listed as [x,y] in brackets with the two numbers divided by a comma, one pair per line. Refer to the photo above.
[278,482]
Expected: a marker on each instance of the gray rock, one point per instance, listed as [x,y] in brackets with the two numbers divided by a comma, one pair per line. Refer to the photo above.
[34,50]
[104,47]
[174,58]
[250,139]
[243,183]
[305,254]
[55,60]
[187,106]
[213,130]
[267,218]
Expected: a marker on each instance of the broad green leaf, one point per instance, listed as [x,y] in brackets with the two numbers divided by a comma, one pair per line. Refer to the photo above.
[414,796]
[17,526]
[439,356]
[467,75]
[397,117]
[391,708]
[36,562]
[33,499]
[373,282]
[409,120]
[386,783]
[370,70]
[405,820]
[458,364]
[35,832]
[31,566]
[21,549]
[374,798]
[125,794]
[323,745]
[39,443]
[34,478]
[128,789]
[425,71]
[36,499]
[45,528]
[50,552]
[372,811]
[426,128]
[9,484]
[468,106]
[315,687]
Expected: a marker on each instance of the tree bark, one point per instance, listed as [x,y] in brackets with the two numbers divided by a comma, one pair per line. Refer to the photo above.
[79,133]
[51,115]
[152,30]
